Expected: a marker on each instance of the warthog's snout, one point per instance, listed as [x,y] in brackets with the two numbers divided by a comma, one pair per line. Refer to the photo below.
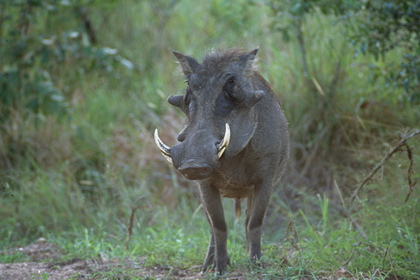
[193,157]
[195,171]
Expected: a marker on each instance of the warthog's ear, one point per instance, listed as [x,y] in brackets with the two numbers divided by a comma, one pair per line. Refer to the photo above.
[252,97]
[247,61]
[176,100]
[188,64]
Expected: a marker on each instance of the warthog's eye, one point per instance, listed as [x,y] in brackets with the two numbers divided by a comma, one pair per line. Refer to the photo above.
[228,88]
[189,103]
[187,96]
[227,100]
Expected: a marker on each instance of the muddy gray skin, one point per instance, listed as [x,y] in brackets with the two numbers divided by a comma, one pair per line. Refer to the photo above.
[226,94]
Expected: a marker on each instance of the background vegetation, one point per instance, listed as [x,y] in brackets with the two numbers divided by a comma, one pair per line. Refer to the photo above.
[84,83]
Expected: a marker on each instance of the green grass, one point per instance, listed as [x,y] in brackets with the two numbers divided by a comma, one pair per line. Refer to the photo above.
[319,249]
[76,181]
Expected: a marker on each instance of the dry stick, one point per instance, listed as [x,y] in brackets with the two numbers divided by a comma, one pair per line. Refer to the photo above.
[350,258]
[291,230]
[312,155]
[302,49]
[345,213]
[130,225]
[390,260]
[397,147]
[343,210]
[409,173]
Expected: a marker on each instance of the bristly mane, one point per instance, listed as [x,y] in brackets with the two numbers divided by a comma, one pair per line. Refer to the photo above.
[220,59]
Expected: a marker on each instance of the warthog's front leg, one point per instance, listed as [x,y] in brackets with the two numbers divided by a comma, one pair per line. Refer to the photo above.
[209,261]
[255,212]
[217,251]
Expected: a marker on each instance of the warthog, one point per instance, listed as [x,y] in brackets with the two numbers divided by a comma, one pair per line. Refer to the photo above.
[235,143]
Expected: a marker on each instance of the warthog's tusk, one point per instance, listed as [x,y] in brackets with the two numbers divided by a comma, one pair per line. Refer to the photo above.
[164,149]
[225,142]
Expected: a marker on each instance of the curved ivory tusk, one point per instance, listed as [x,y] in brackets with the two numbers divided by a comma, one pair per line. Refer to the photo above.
[164,149]
[225,142]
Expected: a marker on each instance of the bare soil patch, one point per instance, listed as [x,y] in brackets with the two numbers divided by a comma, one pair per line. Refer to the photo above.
[89,269]
[35,268]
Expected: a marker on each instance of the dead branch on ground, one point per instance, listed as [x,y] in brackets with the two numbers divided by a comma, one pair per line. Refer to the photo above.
[130,225]
[345,213]
[400,146]
[402,143]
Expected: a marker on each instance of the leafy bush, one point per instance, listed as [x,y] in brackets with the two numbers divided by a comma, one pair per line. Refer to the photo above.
[379,27]
[37,56]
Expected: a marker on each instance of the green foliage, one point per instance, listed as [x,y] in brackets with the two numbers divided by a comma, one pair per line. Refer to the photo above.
[176,248]
[11,258]
[383,26]
[288,14]
[332,247]
[379,27]
[35,56]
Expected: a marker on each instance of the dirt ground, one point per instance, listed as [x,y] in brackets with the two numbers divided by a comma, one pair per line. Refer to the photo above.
[79,269]
[37,269]
[85,269]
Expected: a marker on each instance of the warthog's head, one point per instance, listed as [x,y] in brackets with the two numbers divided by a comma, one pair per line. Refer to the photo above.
[219,105]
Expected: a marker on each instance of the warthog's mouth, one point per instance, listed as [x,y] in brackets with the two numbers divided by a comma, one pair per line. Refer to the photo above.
[166,150]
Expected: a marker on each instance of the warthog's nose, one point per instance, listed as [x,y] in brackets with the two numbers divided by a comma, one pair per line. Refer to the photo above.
[194,171]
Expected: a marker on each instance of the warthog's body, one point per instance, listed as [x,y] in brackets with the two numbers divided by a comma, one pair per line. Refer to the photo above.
[225,94]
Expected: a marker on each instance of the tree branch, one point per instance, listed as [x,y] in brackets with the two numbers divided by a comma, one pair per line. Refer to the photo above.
[302,49]
[397,147]
[84,15]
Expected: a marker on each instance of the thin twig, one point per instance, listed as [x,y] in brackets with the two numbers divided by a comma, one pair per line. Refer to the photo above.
[397,147]
[130,225]
[87,23]
[410,172]
[349,259]
[291,234]
[386,254]
[302,49]
[2,39]
[345,213]
[314,151]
